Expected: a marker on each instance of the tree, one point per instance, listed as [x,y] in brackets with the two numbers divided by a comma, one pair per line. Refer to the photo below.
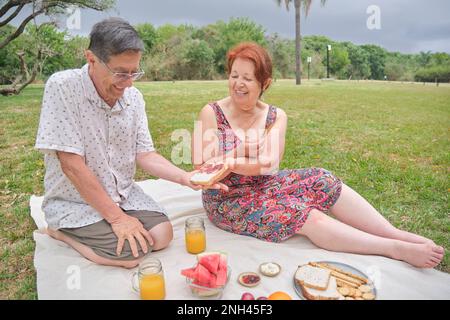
[438,73]
[400,67]
[316,43]
[148,34]
[359,67]
[33,48]
[424,58]
[229,34]
[339,62]
[197,60]
[283,56]
[167,58]
[440,58]
[28,10]
[298,38]
[73,56]
[377,59]
[12,8]
[9,60]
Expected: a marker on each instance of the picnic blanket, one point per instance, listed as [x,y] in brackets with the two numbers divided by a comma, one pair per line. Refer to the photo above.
[62,273]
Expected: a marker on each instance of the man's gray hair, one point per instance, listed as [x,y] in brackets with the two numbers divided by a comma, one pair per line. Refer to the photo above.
[113,36]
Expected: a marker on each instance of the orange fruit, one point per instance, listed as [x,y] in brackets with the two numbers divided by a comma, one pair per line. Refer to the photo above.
[279,295]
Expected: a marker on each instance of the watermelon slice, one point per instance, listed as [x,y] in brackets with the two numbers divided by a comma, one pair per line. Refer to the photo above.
[222,271]
[190,273]
[213,281]
[209,275]
[202,284]
[210,260]
[203,276]
[200,275]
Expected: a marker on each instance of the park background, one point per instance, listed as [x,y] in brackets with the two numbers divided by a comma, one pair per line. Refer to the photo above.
[380,120]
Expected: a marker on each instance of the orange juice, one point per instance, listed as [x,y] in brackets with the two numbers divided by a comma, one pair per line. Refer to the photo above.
[195,240]
[152,287]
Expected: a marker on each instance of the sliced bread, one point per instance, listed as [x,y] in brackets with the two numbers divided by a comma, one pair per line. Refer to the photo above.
[313,277]
[209,174]
[331,293]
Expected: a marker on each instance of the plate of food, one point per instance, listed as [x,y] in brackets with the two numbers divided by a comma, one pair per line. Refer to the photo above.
[330,280]
[209,173]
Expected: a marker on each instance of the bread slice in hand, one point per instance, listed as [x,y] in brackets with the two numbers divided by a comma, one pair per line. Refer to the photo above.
[209,174]
[313,277]
[331,292]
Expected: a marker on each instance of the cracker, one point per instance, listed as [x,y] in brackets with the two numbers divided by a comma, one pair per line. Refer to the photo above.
[345,291]
[352,291]
[368,296]
[357,294]
[358,279]
[365,289]
[343,283]
[346,278]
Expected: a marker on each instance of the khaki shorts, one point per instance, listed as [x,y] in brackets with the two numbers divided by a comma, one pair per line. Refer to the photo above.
[103,241]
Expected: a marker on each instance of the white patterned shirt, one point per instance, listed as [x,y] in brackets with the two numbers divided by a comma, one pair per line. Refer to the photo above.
[75,119]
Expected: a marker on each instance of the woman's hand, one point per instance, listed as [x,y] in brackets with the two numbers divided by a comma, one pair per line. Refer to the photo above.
[186,181]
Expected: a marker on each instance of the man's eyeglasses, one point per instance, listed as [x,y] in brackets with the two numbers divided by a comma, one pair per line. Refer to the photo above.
[123,76]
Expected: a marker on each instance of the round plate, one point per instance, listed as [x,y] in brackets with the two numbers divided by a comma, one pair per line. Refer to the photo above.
[249,274]
[344,267]
[268,274]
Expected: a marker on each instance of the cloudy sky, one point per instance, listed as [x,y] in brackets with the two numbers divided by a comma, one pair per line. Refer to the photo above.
[408,26]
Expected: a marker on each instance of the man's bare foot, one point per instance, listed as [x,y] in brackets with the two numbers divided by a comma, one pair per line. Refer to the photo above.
[55,234]
[89,254]
[420,255]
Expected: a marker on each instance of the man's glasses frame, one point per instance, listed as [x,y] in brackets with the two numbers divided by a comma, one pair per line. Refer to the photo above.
[123,76]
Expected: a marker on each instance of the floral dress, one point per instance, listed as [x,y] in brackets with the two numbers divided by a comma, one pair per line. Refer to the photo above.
[268,207]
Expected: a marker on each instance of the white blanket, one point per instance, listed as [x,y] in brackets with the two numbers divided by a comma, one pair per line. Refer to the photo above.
[63,274]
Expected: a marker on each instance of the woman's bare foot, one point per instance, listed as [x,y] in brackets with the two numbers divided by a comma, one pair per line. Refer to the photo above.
[411,237]
[421,255]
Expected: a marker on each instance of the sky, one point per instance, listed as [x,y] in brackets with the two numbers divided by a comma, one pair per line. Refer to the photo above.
[407,26]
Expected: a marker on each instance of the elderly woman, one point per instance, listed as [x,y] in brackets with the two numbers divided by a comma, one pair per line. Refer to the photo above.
[271,205]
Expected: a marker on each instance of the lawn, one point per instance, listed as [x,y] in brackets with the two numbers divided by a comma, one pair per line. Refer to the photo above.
[388,141]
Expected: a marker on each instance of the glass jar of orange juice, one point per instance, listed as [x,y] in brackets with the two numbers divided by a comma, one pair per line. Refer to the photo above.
[151,280]
[195,235]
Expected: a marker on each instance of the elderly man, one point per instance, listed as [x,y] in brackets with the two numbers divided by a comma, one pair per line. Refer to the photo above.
[93,131]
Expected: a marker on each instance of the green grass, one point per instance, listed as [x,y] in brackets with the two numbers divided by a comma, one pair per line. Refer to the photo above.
[388,141]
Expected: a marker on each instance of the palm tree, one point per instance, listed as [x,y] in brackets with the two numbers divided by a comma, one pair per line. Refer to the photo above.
[298,38]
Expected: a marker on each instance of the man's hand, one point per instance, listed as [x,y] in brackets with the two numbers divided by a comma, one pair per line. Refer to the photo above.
[130,228]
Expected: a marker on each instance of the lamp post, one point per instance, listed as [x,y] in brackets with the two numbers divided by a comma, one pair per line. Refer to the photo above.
[328,60]
[309,65]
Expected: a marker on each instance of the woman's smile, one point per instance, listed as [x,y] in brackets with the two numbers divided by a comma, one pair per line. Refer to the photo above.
[240,93]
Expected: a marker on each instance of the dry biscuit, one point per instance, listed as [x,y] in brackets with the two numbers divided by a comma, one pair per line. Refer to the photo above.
[357,294]
[345,291]
[368,296]
[365,289]
[343,283]
[360,279]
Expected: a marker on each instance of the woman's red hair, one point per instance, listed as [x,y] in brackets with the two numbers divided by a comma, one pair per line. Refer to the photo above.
[258,55]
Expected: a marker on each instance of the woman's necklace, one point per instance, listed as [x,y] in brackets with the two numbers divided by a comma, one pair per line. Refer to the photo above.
[247,133]
[251,120]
